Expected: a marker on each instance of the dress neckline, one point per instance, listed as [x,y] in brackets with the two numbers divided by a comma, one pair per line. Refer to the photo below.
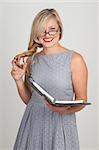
[54,54]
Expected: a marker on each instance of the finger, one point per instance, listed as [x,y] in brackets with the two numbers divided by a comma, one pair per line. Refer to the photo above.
[47,103]
[44,98]
[68,107]
[15,60]
[23,60]
[13,73]
[33,62]
[18,58]
[25,66]
[13,63]
[16,67]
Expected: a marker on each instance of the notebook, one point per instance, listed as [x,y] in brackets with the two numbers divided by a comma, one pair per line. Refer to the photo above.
[51,99]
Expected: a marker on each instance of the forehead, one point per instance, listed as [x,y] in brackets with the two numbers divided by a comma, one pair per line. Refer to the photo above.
[51,23]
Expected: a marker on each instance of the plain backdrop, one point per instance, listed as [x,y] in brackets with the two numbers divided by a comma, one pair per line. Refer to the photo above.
[80,28]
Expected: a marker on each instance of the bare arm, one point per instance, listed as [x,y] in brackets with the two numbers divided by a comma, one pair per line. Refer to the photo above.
[79,80]
[24,89]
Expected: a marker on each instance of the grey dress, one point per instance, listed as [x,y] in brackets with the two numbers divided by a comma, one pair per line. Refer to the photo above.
[41,128]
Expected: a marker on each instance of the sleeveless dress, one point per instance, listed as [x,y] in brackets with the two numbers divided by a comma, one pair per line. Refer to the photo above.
[42,128]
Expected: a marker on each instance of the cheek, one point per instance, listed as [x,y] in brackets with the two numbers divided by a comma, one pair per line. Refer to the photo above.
[41,40]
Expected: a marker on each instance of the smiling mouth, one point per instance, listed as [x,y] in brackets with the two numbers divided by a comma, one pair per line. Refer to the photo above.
[47,39]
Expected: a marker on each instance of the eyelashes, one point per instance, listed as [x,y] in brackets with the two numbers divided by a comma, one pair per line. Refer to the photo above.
[52,28]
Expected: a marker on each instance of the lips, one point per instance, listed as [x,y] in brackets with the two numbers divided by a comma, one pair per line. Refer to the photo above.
[47,39]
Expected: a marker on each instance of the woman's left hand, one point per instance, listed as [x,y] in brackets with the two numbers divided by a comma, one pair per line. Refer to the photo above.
[60,110]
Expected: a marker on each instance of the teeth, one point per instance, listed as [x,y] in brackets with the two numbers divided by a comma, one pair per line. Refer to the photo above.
[47,40]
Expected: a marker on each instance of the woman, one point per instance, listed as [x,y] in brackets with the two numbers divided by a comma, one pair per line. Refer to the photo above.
[63,73]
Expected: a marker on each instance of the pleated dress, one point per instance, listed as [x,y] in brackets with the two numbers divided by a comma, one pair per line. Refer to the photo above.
[42,128]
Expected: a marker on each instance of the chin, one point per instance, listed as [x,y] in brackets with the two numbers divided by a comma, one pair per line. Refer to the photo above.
[49,45]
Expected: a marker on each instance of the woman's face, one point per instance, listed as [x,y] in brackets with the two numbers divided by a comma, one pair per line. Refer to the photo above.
[51,35]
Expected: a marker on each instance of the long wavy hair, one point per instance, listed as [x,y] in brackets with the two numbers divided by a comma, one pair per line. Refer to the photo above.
[38,26]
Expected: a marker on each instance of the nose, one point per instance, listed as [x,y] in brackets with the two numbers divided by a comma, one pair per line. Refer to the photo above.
[47,34]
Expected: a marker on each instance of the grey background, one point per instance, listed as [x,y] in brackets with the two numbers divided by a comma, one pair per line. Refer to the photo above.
[80,23]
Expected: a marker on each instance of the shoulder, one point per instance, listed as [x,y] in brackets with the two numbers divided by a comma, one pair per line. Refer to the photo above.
[77,57]
[77,61]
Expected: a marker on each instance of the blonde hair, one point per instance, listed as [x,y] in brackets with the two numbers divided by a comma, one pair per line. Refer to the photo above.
[38,26]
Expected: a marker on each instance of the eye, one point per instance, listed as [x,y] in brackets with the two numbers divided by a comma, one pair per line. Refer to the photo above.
[52,28]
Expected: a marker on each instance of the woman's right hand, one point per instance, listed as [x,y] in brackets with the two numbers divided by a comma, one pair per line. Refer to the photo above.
[18,72]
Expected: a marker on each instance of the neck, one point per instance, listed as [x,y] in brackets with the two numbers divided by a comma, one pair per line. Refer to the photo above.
[53,49]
